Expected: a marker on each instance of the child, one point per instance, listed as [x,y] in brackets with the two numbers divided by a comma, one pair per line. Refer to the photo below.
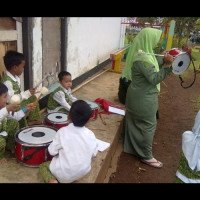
[9,124]
[14,63]
[189,164]
[61,99]
[73,148]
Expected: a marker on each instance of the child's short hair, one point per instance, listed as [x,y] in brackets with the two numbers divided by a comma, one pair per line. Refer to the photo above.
[80,113]
[12,58]
[62,74]
[3,89]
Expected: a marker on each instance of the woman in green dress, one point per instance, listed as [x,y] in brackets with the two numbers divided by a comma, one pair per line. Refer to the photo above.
[142,95]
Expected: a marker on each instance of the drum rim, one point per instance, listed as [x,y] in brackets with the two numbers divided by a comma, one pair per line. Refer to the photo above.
[48,120]
[31,144]
[176,57]
[97,105]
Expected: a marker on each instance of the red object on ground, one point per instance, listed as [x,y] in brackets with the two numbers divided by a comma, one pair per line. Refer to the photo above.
[105,104]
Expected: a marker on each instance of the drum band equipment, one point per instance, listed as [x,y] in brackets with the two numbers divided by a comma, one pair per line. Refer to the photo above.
[95,109]
[45,77]
[43,91]
[32,144]
[56,120]
[180,63]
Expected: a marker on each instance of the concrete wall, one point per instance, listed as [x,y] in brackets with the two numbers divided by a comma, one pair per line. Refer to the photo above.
[37,51]
[51,47]
[90,42]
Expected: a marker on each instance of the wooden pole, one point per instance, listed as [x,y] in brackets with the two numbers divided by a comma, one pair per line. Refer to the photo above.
[81,85]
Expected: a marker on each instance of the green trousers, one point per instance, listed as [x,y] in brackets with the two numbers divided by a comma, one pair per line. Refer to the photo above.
[33,115]
[63,111]
[45,172]
[8,142]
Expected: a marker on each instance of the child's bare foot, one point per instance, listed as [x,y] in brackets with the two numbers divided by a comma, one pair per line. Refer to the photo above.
[3,161]
[35,122]
[53,181]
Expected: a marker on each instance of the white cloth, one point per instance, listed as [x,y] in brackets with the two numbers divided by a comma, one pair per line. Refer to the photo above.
[8,115]
[191,145]
[186,179]
[60,98]
[23,95]
[73,149]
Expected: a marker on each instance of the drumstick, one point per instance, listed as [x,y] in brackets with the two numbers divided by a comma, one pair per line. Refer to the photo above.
[103,121]
[41,81]
[43,91]
[140,52]
[164,83]
[162,93]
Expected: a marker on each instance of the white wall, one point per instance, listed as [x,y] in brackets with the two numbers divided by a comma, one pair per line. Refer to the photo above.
[37,51]
[90,42]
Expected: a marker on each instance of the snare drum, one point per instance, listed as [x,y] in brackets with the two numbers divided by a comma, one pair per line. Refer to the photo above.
[32,144]
[95,108]
[57,120]
[181,61]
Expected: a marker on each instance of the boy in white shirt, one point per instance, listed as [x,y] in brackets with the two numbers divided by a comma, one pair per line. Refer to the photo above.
[72,148]
[9,124]
[61,99]
[14,63]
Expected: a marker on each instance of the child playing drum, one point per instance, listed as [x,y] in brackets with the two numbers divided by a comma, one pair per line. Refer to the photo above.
[73,148]
[61,99]
[9,124]
[14,63]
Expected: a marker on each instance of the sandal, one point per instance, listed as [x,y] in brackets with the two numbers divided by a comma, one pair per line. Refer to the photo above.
[152,163]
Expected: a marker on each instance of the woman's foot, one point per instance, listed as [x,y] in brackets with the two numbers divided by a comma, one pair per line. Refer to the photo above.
[153,163]
[3,161]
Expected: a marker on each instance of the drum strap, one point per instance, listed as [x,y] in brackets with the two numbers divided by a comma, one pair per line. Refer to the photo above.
[194,76]
[32,154]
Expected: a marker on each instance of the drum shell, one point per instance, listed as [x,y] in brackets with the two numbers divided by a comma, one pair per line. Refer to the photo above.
[31,155]
[94,113]
[42,155]
[95,109]
[55,124]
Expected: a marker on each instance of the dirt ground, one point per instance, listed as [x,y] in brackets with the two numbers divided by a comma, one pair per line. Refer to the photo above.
[177,110]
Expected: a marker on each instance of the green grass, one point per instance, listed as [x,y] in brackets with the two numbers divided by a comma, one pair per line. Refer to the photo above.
[196,59]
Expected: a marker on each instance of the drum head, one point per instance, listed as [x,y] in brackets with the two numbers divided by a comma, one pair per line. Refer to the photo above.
[93,105]
[57,117]
[181,63]
[36,134]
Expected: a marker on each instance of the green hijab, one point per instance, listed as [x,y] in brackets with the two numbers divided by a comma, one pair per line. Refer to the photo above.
[146,40]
